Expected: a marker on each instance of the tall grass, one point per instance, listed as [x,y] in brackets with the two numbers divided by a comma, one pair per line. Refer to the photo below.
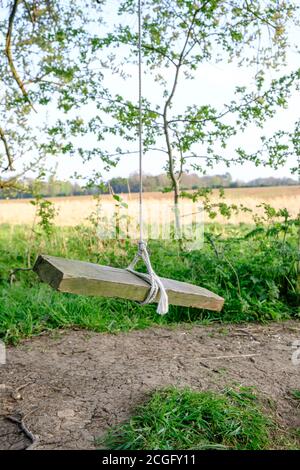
[73,210]
[255,271]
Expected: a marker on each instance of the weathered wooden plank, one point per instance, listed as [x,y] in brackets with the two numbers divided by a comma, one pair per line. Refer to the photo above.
[79,277]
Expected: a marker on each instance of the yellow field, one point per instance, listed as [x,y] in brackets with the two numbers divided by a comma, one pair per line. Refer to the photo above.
[75,210]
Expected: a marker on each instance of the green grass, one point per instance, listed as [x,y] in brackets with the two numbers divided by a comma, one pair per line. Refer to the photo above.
[255,274]
[295,394]
[184,419]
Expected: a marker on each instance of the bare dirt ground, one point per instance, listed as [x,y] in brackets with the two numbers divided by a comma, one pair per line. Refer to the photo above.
[70,386]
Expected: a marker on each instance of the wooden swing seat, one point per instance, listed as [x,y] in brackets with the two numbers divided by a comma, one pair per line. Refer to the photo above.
[79,277]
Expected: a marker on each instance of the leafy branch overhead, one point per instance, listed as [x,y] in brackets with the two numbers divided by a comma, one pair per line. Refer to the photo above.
[8,52]
[179,39]
[47,66]
[60,59]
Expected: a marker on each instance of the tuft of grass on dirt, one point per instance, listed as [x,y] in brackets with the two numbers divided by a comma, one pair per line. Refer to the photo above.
[295,394]
[176,419]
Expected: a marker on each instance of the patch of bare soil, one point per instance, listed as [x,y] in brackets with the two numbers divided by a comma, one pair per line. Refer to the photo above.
[70,386]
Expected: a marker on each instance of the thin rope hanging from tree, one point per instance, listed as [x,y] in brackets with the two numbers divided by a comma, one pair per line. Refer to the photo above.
[156,286]
[83,278]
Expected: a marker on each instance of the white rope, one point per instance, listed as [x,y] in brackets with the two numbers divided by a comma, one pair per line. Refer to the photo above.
[140,121]
[156,285]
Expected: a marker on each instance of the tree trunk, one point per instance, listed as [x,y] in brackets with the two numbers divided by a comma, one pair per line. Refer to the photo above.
[176,208]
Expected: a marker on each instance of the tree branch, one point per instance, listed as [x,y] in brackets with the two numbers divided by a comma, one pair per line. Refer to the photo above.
[7,151]
[9,184]
[212,157]
[8,53]
[128,104]
[175,180]
[29,12]
[222,114]
[259,17]
[196,121]
[181,156]
[15,181]
[131,152]
[159,51]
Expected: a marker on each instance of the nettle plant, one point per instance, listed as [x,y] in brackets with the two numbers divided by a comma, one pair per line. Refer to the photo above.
[179,38]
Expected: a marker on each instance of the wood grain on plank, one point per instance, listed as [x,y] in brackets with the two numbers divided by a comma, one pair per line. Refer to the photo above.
[80,277]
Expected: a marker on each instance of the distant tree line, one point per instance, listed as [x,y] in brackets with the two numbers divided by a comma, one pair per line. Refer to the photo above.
[191,181]
[57,188]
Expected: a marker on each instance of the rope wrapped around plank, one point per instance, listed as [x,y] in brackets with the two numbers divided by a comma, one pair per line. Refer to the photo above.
[156,286]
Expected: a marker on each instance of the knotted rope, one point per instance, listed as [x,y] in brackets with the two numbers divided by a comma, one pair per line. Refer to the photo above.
[156,285]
